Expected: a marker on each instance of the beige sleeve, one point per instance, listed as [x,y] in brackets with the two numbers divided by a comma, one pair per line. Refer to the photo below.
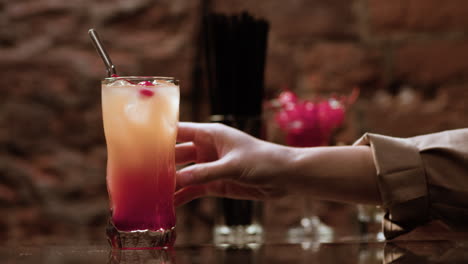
[421,179]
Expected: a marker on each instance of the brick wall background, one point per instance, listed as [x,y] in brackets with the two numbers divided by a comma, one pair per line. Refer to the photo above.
[409,57]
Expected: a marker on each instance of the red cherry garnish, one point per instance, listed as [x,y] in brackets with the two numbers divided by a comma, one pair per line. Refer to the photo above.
[146,92]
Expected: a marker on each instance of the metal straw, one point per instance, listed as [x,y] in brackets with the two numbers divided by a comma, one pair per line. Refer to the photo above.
[102,52]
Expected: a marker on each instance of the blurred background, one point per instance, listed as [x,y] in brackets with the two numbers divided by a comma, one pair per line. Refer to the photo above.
[409,58]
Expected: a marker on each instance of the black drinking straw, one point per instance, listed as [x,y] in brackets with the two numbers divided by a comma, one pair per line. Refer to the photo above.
[235,48]
[235,51]
[110,67]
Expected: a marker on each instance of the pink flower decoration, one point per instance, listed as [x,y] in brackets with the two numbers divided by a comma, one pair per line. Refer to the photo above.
[311,123]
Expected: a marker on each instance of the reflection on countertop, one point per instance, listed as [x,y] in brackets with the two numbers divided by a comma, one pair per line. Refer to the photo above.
[352,251]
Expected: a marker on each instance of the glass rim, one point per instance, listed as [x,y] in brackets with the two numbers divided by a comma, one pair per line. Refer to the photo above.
[134,77]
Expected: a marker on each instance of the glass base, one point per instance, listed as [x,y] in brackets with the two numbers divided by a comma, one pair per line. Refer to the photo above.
[238,235]
[140,239]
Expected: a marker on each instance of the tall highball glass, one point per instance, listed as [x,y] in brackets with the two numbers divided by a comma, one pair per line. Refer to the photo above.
[140,117]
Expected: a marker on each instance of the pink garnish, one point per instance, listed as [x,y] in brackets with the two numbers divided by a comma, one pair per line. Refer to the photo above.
[287,97]
[146,92]
[311,123]
[114,76]
[146,83]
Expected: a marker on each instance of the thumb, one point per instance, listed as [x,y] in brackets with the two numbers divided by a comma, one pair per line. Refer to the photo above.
[201,173]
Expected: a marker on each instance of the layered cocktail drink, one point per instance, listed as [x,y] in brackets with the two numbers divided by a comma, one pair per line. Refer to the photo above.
[140,123]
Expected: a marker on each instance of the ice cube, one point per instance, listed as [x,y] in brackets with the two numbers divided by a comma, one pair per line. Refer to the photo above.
[120,82]
[170,125]
[137,112]
[163,83]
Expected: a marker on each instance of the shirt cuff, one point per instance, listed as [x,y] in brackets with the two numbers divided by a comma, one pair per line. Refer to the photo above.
[402,183]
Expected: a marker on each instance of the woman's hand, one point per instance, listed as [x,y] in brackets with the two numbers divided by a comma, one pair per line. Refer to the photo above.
[227,163]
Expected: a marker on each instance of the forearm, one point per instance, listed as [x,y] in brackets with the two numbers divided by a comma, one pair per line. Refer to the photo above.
[345,174]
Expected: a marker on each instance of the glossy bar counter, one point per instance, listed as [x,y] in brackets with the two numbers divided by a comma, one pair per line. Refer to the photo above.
[347,250]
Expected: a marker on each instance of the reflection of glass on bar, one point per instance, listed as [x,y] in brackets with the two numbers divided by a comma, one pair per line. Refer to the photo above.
[140,123]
